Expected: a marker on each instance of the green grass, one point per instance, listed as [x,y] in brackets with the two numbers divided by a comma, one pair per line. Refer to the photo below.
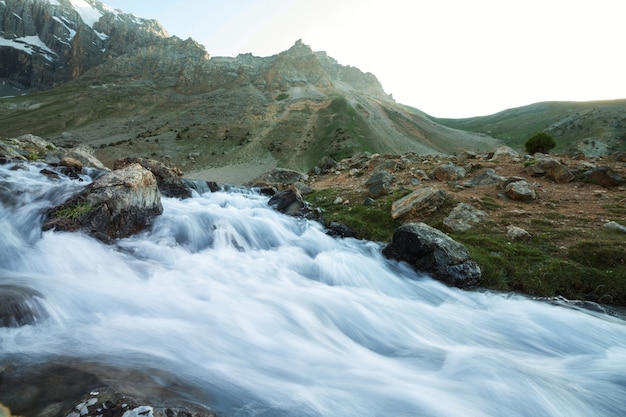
[75,211]
[618,209]
[370,222]
[593,269]
[341,132]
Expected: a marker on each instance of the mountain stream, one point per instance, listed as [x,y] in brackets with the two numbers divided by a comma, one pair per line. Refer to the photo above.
[261,314]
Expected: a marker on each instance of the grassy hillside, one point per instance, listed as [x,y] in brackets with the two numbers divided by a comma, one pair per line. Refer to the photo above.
[595,127]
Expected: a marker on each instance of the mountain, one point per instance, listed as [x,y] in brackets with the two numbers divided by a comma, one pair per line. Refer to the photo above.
[122,85]
[593,127]
[45,43]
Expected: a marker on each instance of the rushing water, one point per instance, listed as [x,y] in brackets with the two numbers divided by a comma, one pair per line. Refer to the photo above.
[269,316]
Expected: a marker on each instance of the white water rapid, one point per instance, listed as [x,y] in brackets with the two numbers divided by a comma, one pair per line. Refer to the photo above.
[269,316]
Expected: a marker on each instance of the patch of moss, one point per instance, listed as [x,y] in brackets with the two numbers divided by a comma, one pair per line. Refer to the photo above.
[75,211]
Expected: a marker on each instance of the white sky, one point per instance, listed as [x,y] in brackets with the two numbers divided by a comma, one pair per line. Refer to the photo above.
[449,58]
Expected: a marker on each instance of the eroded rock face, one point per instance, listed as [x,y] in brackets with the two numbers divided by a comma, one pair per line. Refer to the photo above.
[116,205]
[67,45]
[431,251]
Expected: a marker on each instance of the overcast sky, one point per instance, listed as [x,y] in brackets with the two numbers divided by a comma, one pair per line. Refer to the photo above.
[449,58]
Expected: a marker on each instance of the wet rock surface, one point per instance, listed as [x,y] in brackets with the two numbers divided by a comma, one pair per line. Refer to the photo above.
[20,306]
[117,205]
[431,251]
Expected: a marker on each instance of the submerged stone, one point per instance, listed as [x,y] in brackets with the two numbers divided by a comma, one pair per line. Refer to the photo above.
[20,306]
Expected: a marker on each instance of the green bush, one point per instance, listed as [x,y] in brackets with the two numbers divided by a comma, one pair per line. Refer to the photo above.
[539,142]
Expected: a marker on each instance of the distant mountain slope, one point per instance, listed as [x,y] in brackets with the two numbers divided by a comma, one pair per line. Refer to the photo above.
[164,98]
[594,127]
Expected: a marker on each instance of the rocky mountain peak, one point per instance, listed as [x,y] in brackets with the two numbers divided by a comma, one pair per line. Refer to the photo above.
[299,49]
[300,64]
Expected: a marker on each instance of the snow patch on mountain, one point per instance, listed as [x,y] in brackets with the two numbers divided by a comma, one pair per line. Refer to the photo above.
[89,14]
[66,23]
[102,36]
[29,44]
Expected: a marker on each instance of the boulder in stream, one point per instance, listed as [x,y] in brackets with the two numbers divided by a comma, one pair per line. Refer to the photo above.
[117,205]
[169,178]
[429,250]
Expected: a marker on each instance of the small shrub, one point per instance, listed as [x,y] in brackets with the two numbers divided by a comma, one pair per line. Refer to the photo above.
[540,142]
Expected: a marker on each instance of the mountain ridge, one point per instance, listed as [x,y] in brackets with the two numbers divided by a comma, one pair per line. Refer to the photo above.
[590,127]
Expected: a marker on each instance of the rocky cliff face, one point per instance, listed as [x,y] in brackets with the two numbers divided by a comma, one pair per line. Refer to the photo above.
[44,43]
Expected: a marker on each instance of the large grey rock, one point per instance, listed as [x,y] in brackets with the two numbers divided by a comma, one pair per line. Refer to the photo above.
[25,147]
[615,226]
[449,172]
[520,191]
[10,150]
[517,233]
[424,201]
[431,251]
[379,184]
[487,176]
[117,205]
[550,167]
[504,153]
[604,176]
[463,217]
[169,178]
